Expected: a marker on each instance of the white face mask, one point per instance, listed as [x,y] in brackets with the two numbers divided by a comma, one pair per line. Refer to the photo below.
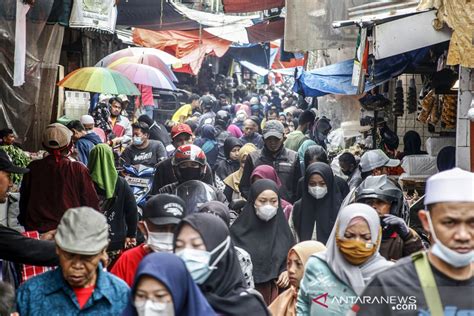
[150,308]
[449,256]
[266,212]
[159,242]
[318,192]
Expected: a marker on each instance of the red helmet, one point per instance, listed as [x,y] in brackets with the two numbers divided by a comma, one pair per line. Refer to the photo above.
[189,153]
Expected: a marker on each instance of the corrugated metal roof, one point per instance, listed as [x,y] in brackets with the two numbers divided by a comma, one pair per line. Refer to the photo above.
[378,12]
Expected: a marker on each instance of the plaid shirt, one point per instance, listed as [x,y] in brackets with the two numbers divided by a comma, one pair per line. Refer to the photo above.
[27,271]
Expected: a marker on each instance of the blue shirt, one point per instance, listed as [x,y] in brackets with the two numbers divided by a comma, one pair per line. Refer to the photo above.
[49,294]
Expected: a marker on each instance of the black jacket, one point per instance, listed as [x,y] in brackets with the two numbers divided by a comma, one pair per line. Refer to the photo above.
[17,248]
[286,164]
[121,213]
[164,175]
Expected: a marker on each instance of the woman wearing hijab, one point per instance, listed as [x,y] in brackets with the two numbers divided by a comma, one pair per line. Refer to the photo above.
[352,258]
[446,159]
[163,286]
[411,145]
[208,144]
[232,191]
[316,153]
[231,162]
[268,172]
[285,304]
[263,232]
[157,130]
[220,210]
[117,200]
[301,152]
[203,242]
[315,213]
[235,131]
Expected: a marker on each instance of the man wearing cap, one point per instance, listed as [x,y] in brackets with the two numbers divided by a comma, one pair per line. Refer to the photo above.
[14,246]
[143,151]
[251,134]
[375,163]
[164,175]
[83,141]
[54,183]
[89,124]
[285,161]
[79,285]
[161,215]
[439,281]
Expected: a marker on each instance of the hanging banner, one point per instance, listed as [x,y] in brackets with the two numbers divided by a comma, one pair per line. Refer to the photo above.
[360,61]
[100,15]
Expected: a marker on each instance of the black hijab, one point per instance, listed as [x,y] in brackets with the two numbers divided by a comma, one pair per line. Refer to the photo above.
[267,243]
[216,208]
[446,158]
[227,166]
[309,210]
[157,130]
[412,144]
[225,289]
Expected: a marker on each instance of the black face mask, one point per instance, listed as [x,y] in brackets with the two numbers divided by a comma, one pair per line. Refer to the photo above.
[187,174]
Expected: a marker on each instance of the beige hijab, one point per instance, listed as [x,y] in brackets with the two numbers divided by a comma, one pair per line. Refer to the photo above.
[285,303]
[233,180]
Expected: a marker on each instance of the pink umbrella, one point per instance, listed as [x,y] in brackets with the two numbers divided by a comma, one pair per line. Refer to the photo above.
[146,75]
[168,59]
[149,60]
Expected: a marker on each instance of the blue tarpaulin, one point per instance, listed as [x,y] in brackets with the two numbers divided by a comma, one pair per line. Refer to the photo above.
[337,78]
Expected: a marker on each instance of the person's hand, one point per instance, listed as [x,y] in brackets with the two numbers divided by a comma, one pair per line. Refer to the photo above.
[283,280]
[48,235]
[130,242]
[397,224]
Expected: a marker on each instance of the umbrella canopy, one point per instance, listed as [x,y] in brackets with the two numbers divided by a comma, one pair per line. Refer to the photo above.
[168,59]
[146,75]
[99,80]
[149,60]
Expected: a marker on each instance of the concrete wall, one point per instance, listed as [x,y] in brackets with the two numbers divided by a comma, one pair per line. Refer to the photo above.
[463,152]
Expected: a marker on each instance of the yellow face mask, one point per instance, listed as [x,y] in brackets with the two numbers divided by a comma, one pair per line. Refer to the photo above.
[355,251]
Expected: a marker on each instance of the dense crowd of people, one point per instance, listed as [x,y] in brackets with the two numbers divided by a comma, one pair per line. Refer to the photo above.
[244,213]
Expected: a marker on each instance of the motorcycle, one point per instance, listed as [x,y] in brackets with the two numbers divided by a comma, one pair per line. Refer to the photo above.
[140,180]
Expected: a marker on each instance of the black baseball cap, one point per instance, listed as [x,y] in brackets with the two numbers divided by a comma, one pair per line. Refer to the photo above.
[164,209]
[7,165]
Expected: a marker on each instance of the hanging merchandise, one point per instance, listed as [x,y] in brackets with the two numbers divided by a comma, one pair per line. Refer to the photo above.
[426,106]
[448,116]
[411,101]
[435,112]
[93,14]
[398,105]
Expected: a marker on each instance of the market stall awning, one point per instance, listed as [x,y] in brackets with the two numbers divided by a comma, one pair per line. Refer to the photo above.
[337,78]
[241,6]
[190,46]
[266,31]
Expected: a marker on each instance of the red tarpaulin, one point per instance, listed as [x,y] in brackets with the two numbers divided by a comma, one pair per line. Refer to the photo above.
[266,31]
[240,6]
[190,46]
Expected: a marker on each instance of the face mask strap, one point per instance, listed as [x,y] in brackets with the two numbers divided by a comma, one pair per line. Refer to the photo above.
[226,245]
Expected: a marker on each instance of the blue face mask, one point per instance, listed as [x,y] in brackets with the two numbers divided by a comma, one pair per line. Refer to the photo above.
[449,256]
[137,140]
[198,261]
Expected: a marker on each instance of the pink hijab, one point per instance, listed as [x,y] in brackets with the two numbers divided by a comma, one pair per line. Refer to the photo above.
[243,107]
[266,172]
[234,130]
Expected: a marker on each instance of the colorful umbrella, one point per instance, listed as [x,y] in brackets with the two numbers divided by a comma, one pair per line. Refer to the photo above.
[149,60]
[100,80]
[145,75]
[168,59]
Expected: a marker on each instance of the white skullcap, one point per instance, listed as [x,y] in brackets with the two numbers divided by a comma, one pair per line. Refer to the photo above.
[455,185]
[87,119]
[122,97]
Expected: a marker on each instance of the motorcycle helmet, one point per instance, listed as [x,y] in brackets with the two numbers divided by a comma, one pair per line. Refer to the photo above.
[207,102]
[222,118]
[382,188]
[188,153]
